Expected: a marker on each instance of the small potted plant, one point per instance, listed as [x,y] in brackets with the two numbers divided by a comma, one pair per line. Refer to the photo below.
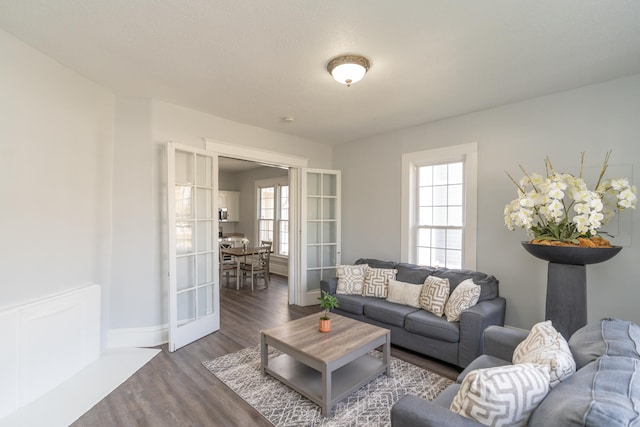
[328,302]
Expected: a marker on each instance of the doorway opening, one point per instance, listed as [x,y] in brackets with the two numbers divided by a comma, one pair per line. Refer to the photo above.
[254,205]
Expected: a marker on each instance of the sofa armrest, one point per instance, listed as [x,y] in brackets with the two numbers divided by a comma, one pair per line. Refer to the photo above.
[473,322]
[501,341]
[329,285]
[413,411]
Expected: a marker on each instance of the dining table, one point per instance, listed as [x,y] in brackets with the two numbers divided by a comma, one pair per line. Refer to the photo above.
[238,253]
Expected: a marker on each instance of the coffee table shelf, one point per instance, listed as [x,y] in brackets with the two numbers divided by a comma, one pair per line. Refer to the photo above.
[325,367]
[308,381]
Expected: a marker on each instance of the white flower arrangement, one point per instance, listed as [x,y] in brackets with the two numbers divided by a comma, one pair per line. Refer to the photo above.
[244,241]
[560,207]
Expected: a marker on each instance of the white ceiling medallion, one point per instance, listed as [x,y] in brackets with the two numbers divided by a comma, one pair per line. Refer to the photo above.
[348,69]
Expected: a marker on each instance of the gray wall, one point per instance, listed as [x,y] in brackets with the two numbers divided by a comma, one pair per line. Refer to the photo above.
[593,119]
[56,144]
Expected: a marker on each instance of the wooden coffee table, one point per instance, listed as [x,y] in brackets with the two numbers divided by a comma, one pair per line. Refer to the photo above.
[325,367]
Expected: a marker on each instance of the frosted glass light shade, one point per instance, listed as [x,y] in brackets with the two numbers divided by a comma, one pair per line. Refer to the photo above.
[348,69]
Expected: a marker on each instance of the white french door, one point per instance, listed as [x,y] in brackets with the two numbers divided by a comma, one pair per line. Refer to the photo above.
[321,230]
[192,188]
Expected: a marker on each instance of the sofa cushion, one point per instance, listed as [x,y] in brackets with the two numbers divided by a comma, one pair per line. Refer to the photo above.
[429,325]
[350,279]
[376,282]
[613,337]
[376,263]
[411,273]
[434,295]
[446,397]
[352,303]
[482,362]
[464,296]
[404,293]
[488,284]
[546,346]
[606,392]
[502,396]
[387,312]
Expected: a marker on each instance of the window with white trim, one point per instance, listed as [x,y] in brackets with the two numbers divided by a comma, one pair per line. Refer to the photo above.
[273,213]
[439,207]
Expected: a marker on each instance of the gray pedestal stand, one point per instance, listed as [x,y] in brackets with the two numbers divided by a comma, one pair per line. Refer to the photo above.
[566,297]
[567,282]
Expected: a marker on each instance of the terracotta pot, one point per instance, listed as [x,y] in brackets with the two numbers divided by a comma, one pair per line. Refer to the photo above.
[325,325]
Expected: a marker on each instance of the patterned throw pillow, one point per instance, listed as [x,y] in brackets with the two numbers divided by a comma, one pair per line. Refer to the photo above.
[546,346]
[350,279]
[502,396]
[404,293]
[376,282]
[434,295]
[465,295]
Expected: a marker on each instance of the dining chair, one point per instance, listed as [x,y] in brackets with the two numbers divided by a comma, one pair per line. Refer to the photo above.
[258,264]
[228,263]
[270,244]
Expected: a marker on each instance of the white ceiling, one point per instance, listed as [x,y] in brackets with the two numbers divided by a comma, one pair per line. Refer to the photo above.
[256,62]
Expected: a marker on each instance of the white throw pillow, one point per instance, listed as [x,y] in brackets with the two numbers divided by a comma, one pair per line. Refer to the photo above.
[350,279]
[546,346]
[404,293]
[376,282]
[465,295]
[434,295]
[502,396]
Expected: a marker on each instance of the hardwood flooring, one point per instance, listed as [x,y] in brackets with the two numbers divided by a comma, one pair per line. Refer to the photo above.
[175,389]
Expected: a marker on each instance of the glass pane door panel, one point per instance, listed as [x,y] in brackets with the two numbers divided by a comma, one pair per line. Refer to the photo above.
[313,257]
[313,208]
[329,187]
[329,209]
[328,272]
[205,203]
[186,306]
[313,233]
[184,168]
[328,256]
[205,300]
[186,274]
[205,240]
[205,268]
[184,237]
[313,184]
[329,232]
[184,202]
[204,171]
[313,279]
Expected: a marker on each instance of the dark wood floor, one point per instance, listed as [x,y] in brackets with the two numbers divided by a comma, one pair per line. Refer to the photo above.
[174,389]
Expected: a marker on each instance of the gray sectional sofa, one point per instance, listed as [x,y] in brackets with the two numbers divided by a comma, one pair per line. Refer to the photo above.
[604,390]
[457,343]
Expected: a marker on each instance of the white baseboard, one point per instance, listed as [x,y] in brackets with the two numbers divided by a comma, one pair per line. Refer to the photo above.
[151,336]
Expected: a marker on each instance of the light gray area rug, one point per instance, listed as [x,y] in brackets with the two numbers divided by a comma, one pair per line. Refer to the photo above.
[282,406]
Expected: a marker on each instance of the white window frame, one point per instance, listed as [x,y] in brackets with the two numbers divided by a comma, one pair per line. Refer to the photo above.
[275,183]
[468,153]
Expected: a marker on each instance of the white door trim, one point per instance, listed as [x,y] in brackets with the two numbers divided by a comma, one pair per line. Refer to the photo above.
[294,163]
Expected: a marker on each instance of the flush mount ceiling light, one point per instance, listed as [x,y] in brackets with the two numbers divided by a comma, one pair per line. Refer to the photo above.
[348,69]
